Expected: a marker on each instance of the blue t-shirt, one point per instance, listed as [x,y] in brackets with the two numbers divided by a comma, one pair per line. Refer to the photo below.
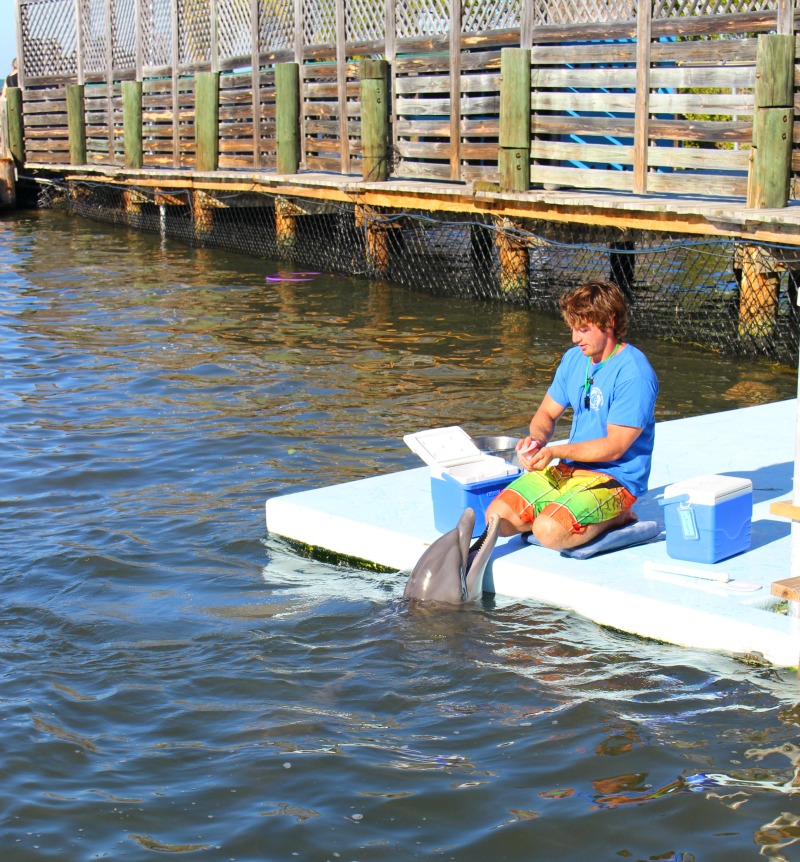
[623,392]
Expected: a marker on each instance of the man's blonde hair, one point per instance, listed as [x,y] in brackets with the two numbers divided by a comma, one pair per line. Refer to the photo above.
[598,302]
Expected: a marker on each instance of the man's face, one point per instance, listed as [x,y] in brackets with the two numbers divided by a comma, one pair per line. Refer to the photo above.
[591,339]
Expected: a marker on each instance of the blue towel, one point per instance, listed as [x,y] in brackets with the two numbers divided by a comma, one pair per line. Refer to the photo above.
[636,533]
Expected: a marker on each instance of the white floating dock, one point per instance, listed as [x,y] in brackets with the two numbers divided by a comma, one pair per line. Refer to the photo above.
[388,520]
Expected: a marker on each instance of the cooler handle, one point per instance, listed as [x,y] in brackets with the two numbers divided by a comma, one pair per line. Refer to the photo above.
[667,501]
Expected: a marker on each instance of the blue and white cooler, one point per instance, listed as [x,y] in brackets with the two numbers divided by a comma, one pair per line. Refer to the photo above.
[708,518]
[461,475]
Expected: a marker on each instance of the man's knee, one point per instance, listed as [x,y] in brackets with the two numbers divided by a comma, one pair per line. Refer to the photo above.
[550,533]
[510,523]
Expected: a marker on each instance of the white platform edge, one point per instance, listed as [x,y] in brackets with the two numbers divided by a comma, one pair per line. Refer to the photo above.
[388,520]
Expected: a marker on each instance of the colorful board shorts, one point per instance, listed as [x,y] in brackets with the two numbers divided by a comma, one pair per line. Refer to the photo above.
[571,496]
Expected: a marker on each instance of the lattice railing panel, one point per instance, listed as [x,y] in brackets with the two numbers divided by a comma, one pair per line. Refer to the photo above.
[123,29]
[688,8]
[275,25]
[156,32]
[319,22]
[414,20]
[49,37]
[233,28]
[583,11]
[94,26]
[365,20]
[194,32]
[478,16]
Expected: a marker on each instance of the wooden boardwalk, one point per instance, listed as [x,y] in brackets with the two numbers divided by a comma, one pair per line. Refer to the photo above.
[698,215]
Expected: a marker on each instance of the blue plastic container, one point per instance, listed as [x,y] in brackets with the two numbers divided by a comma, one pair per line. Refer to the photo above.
[708,518]
[451,497]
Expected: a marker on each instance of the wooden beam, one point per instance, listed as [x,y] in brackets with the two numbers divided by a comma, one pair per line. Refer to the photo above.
[771,153]
[76,124]
[287,118]
[785,509]
[206,120]
[641,133]
[14,119]
[514,154]
[374,120]
[132,123]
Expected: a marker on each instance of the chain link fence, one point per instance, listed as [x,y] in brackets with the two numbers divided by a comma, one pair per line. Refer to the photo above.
[733,297]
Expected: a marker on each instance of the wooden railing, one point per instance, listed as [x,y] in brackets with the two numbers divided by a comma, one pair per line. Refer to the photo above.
[654,97]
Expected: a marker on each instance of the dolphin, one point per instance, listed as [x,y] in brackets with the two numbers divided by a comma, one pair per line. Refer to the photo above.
[449,570]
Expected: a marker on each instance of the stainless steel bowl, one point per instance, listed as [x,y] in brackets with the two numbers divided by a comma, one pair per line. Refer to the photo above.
[505,447]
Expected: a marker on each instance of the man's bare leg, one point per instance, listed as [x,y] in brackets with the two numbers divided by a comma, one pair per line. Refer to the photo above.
[552,534]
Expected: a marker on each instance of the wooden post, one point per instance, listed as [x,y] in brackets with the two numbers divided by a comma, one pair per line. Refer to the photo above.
[202,213]
[758,292]
[76,124]
[16,138]
[374,120]
[132,123]
[514,155]
[287,118]
[286,214]
[641,125]
[773,118]
[206,120]
[132,202]
[622,265]
[377,229]
[8,187]
[514,259]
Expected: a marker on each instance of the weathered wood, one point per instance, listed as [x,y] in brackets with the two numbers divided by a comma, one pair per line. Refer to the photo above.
[76,124]
[8,180]
[15,124]
[514,164]
[206,122]
[770,163]
[786,509]
[642,102]
[758,292]
[375,133]
[287,117]
[514,259]
[132,123]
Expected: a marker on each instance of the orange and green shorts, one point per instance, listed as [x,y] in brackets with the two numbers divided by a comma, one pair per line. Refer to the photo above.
[572,496]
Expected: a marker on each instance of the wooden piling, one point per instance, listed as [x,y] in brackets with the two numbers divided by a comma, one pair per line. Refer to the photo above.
[773,118]
[206,120]
[132,123]
[8,188]
[286,214]
[514,155]
[203,206]
[758,291]
[514,259]
[374,119]
[15,125]
[76,124]
[287,118]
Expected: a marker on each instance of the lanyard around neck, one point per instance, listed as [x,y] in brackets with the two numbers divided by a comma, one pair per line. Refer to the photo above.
[587,380]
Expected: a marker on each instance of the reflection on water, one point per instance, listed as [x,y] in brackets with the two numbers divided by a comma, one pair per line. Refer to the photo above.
[176,681]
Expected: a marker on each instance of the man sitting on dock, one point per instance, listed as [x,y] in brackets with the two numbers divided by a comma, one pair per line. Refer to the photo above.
[612,389]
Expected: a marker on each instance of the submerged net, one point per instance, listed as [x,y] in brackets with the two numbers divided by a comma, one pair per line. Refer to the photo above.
[734,297]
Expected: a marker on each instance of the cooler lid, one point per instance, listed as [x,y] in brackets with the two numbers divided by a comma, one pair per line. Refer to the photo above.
[708,490]
[443,447]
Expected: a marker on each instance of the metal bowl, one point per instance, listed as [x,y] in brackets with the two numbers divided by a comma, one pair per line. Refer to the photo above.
[505,447]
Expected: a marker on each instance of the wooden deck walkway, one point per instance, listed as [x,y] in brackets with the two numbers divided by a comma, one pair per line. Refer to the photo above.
[698,215]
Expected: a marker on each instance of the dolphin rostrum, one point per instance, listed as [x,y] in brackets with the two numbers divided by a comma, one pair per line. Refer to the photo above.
[451,571]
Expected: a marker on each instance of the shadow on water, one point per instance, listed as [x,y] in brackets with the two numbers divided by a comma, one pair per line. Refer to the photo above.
[175,682]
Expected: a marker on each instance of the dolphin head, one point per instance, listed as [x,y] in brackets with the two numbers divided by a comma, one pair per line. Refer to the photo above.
[449,571]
